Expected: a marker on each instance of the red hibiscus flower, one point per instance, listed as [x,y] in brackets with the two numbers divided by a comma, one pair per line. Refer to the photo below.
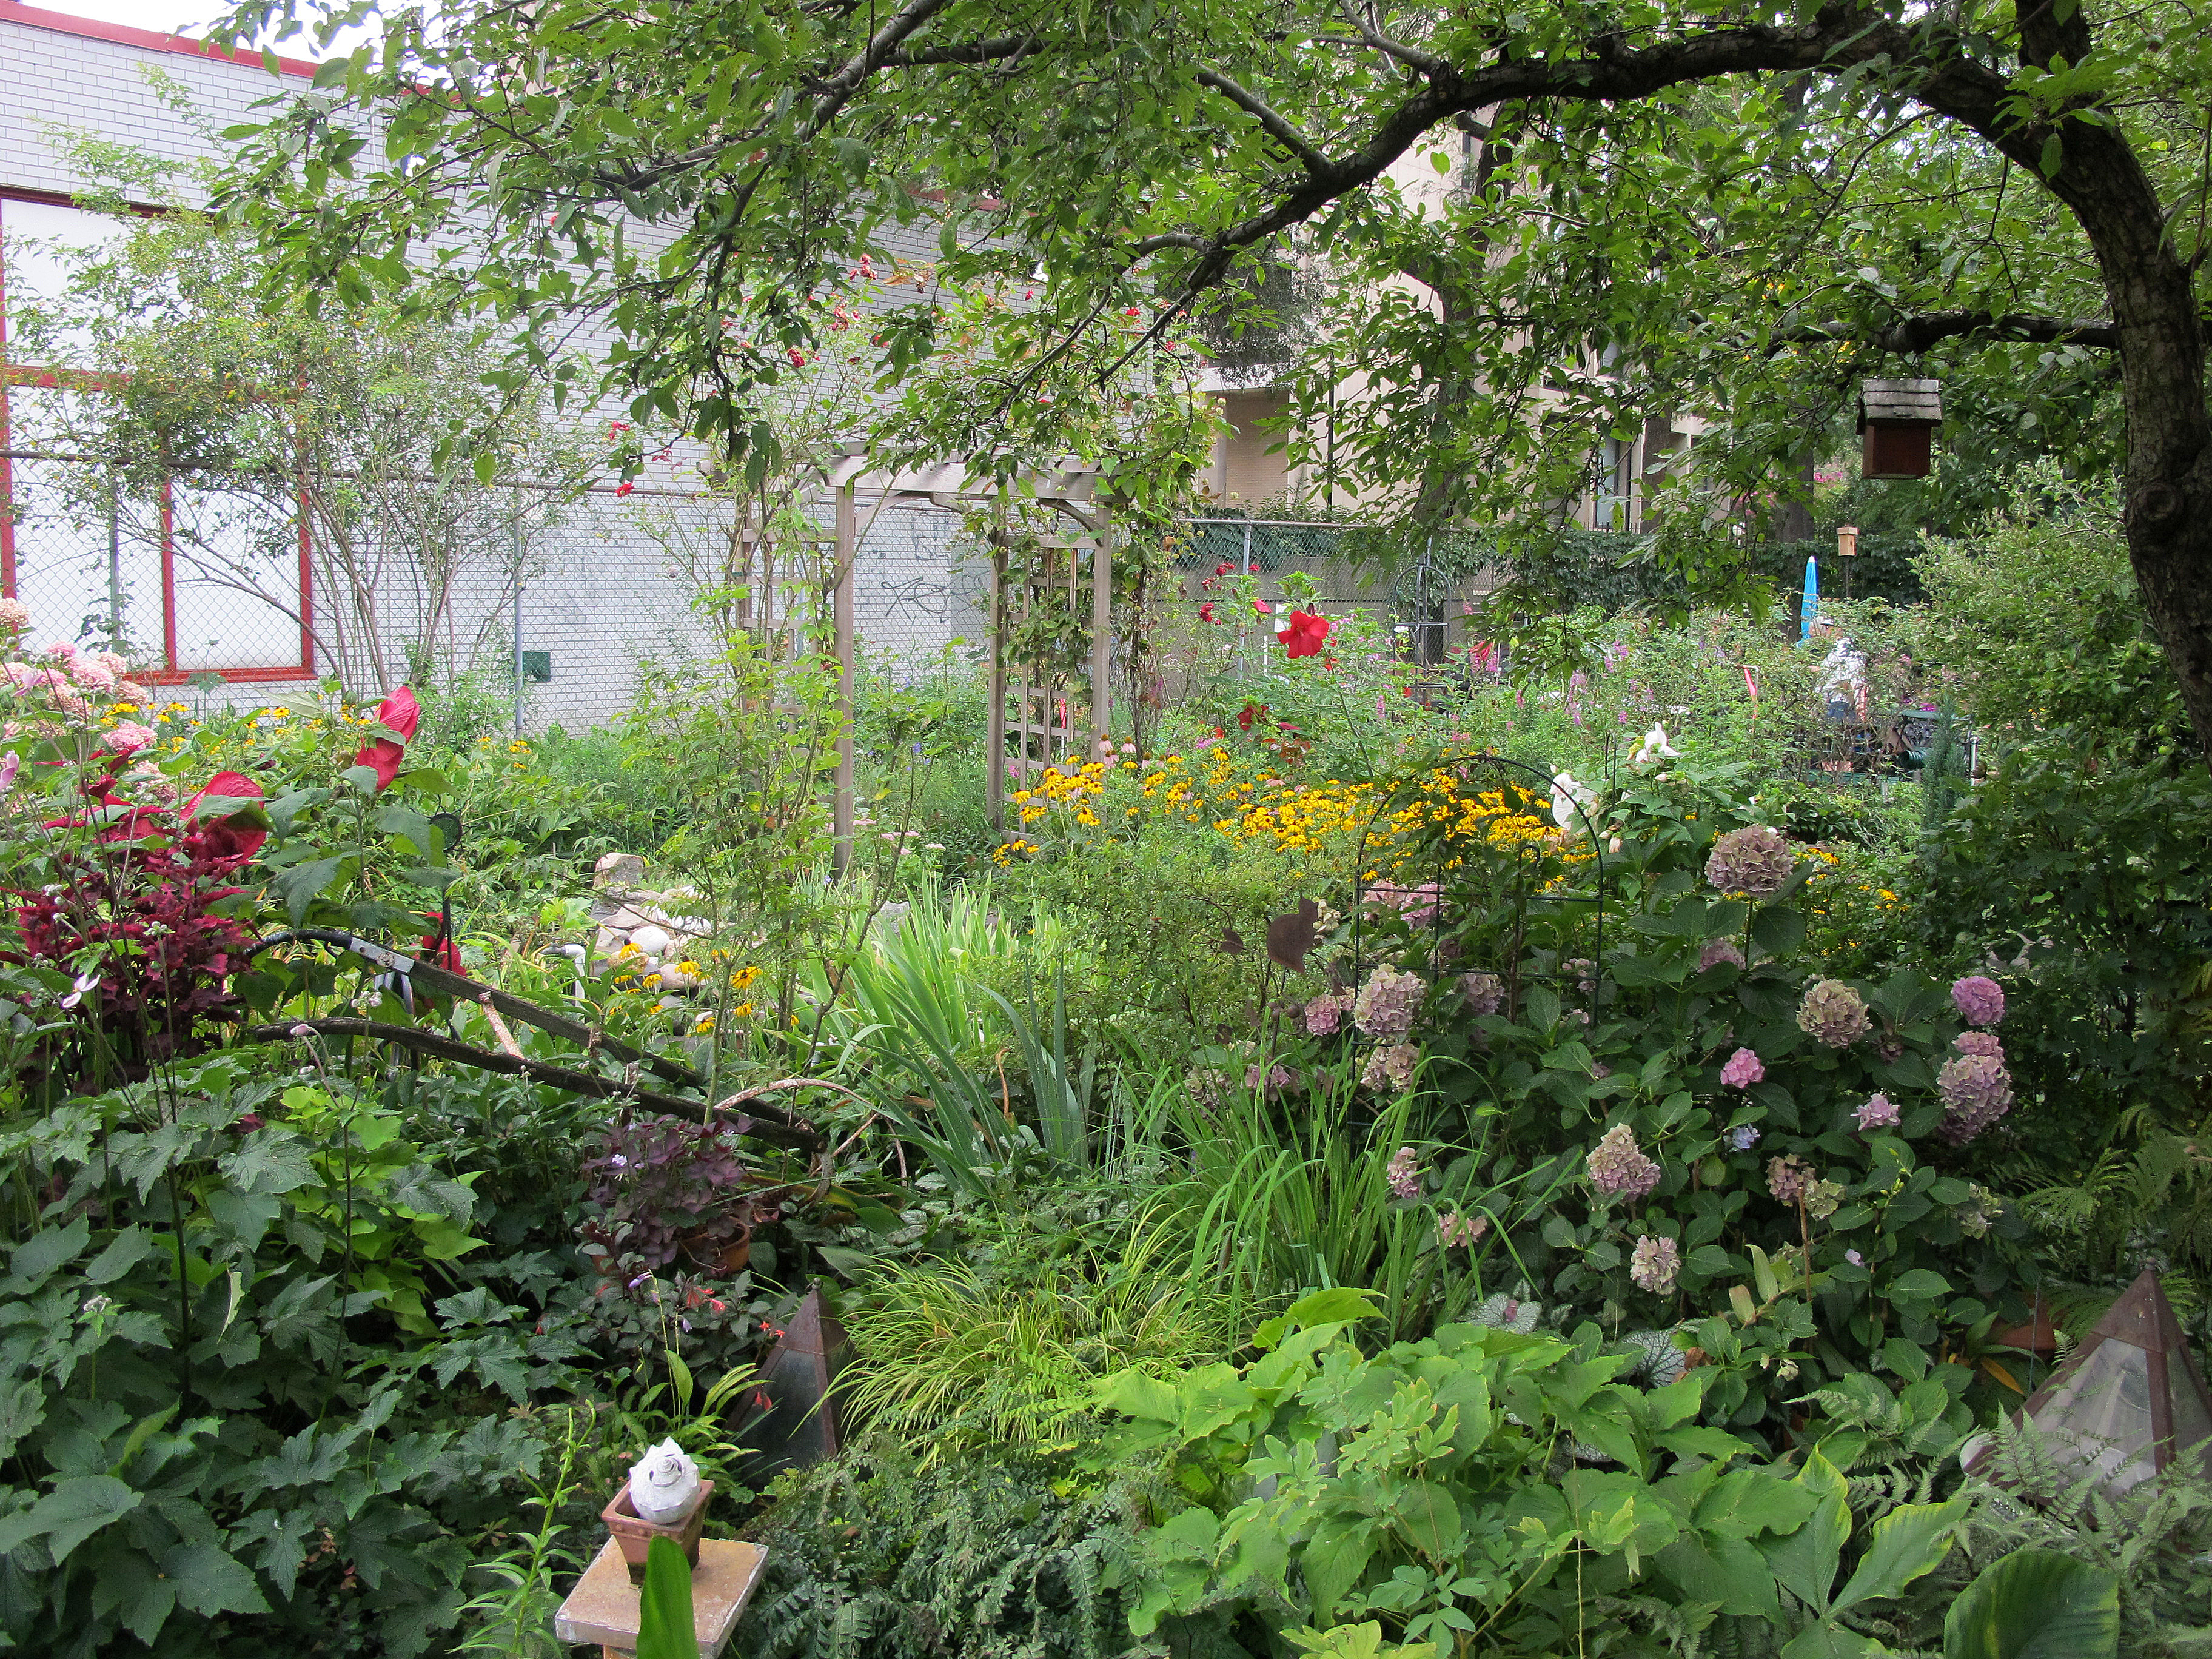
[1263,607]
[1205,611]
[401,714]
[1304,636]
[442,953]
[1223,570]
[224,837]
[1252,712]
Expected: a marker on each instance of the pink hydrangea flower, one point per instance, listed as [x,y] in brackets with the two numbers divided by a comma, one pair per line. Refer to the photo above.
[93,674]
[1984,1043]
[1404,1173]
[1390,1066]
[1978,998]
[1790,1179]
[127,738]
[1654,1263]
[1879,1112]
[1720,951]
[1325,1014]
[1743,1069]
[1482,994]
[1386,1003]
[1618,1167]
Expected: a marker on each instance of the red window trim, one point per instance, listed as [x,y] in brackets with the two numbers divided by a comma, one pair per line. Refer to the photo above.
[89,28]
[91,380]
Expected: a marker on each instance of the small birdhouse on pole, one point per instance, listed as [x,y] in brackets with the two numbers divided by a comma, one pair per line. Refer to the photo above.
[1895,417]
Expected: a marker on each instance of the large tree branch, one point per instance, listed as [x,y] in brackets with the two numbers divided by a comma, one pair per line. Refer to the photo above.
[1272,124]
[1910,336]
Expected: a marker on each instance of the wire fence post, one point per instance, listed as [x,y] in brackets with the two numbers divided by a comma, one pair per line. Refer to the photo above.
[1102,636]
[114,566]
[514,543]
[841,614]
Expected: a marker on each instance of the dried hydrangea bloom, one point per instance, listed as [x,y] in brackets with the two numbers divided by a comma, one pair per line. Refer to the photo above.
[1977,1091]
[1744,1068]
[1207,1085]
[1753,861]
[1789,1178]
[1879,1112]
[1833,1012]
[1654,1263]
[1618,1167]
[1385,1005]
[1978,998]
[1719,950]
[1390,1066]
[1483,994]
[1454,1228]
[1404,1173]
[1984,1043]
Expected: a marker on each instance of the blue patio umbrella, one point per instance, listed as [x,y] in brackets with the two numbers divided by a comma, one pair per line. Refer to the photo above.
[1810,611]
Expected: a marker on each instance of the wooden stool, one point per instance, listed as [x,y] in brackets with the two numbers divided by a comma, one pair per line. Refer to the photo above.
[604,1605]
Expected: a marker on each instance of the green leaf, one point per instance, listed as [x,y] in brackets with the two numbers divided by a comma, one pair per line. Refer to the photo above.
[271,1161]
[211,1580]
[1778,930]
[2053,156]
[1826,1641]
[69,1514]
[301,884]
[37,1256]
[2036,1604]
[124,1252]
[1137,1393]
[1805,1562]
[1724,1571]
[1910,1541]
[23,1408]
[666,1628]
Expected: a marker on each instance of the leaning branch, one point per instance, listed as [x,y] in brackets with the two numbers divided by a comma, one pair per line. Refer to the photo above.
[1910,336]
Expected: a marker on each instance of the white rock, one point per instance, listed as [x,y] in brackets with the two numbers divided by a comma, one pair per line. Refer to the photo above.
[653,940]
[663,1485]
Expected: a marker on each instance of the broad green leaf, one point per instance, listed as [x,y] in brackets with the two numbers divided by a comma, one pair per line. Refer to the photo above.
[1725,1572]
[666,1628]
[1910,1541]
[210,1580]
[37,1257]
[2036,1604]
[1805,1562]
[69,1514]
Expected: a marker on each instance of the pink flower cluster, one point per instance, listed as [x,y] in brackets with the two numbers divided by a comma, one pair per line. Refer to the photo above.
[1481,993]
[1404,1173]
[1790,1179]
[1720,951]
[1454,1228]
[1744,1068]
[1978,998]
[1618,1167]
[1654,1263]
[1753,861]
[1977,1091]
[1833,1013]
[1390,1066]
[1879,1113]
[1325,1014]
[1385,1005]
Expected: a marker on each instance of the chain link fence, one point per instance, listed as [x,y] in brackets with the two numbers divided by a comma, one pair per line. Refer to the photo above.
[227,591]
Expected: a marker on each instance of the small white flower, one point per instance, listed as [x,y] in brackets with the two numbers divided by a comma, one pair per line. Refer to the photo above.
[85,981]
[1654,747]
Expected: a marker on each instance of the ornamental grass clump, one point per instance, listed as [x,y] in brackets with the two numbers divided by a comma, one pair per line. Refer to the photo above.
[1618,1167]
[1754,861]
[1833,1014]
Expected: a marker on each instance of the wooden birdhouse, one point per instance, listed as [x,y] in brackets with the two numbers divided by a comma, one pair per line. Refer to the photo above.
[2131,1402]
[1895,420]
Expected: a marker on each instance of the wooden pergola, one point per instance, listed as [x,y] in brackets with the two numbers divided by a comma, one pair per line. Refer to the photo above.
[1071,490]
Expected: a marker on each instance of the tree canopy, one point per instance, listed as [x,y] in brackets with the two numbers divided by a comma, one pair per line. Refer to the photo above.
[1640,211]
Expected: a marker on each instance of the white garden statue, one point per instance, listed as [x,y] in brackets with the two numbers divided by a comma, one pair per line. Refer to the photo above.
[663,1485]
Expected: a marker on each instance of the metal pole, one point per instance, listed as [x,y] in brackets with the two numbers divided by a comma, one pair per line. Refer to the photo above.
[514,536]
[114,567]
[1102,636]
[841,609]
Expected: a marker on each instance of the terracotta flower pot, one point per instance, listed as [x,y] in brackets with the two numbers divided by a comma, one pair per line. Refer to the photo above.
[636,1533]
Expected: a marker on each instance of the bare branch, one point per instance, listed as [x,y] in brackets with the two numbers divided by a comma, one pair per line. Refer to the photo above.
[1412,57]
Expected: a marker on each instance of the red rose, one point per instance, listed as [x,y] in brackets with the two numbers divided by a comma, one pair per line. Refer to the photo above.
[1205,611]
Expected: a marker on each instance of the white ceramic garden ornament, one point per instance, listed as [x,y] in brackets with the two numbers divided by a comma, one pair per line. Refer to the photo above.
[663,1485]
